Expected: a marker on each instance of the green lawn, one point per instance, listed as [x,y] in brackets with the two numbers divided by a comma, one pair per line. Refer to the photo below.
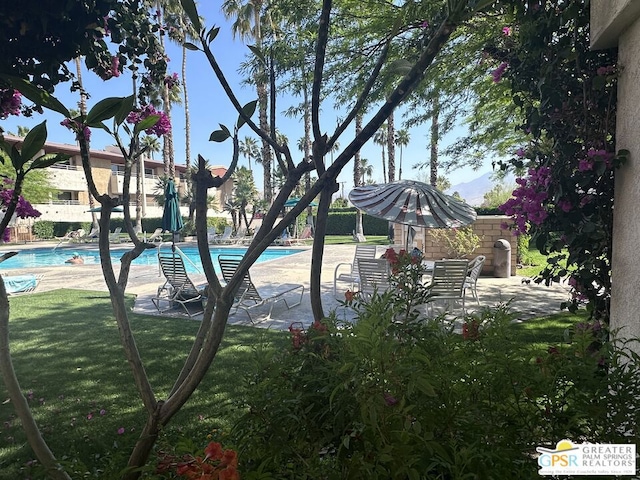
[348,239]
[71,366]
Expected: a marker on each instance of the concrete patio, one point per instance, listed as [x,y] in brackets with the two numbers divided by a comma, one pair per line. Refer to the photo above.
[527,300]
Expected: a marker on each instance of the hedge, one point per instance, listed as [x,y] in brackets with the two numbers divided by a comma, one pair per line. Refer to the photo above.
[343,222]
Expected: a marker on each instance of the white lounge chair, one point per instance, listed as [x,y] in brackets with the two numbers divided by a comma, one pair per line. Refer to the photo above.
[225,238]
[156,236]
[352,276]
[114,237]
[15,284]
[248,296]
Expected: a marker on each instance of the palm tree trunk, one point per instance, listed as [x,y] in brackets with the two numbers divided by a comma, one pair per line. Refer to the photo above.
[83,112]
[357,177]
[435,134]
[391,148]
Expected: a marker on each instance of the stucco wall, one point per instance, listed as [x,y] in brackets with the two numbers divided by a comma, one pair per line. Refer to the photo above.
[488,228]
[625,304]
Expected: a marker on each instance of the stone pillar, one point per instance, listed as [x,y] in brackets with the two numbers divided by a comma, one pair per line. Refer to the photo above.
[617,22]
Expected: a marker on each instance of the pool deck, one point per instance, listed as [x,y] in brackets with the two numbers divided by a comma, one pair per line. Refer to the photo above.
[526,300]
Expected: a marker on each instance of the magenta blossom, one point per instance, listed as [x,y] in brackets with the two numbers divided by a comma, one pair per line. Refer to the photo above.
[76,126]
[498,72]
[171,80]
[528,204]
[10,102]
[506,31]
[161,127]
[565,205]
[520,152]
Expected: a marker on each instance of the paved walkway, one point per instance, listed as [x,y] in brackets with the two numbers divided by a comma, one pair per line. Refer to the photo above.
[527,300]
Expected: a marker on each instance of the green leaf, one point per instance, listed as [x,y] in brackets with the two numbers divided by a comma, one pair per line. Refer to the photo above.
[125,108]
[190,9]
[219,136]
[212,34]
[36,95]
[148,122]
[190,46]
[33,142]
[258,53]
[225,129]
[49,159]
[105,109]
[16,158]
[248,110]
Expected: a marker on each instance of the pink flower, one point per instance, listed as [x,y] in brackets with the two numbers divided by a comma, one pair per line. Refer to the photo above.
[115,63]
[565,205]
[120,430]
[520,152]
[76,126]
[424,24]
[90,416]
[506,31]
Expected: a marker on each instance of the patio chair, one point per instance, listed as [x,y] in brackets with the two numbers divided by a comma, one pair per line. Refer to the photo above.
[374,276]
[224,238]
[352,276]
[211,234]
[114,237]
[447,283]
[92,236]
[178,289]
[248,296]
[156,236]
[475,268]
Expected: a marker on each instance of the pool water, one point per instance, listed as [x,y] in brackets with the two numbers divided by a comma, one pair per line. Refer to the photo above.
[50,257]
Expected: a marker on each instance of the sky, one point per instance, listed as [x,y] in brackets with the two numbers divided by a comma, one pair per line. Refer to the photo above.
[209,107]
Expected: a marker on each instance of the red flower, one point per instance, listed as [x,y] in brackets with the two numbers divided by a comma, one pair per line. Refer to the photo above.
[213,451]
[471,330]
[229,457]
[229,473]
[348,296]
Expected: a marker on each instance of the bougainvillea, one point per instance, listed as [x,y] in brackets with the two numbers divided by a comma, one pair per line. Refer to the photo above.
[24,209]
[161,127]
[10,102]
[567,103]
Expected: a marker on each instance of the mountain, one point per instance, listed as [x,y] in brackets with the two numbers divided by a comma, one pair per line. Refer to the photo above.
[473,191]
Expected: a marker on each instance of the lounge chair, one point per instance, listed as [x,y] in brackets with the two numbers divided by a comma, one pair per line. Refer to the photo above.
[178,289]
[475,268]
[248,296]
[374,276]
[156,236]
[224,238]
[211,234]
[114,237]
[21,283]
[352,276]
[92,236]
[447,283]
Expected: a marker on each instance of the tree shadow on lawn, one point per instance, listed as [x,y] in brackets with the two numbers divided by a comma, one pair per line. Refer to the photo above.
[71,366]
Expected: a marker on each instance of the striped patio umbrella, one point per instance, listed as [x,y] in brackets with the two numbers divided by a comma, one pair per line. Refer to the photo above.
[412,203]
[171,217]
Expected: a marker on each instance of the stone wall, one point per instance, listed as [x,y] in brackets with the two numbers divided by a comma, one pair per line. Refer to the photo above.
[487,227]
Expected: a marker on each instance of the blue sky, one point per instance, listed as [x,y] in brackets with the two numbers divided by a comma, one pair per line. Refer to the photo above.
[209,107]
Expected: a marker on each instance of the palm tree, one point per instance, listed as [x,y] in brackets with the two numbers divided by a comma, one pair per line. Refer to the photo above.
[249,149]
[244,192]
[247,25]
[366,170]
[402,140]
[380,138]
[391,148]
[151,144]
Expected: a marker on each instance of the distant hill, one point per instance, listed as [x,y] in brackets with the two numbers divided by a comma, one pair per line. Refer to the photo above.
[473,191]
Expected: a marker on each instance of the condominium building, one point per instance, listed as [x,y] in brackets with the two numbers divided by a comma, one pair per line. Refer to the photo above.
[107,167]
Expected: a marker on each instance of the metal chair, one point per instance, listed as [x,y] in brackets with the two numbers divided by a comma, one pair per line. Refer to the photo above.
[447,283]
[248,296]
[178,288]
[475,268]
[352,276]
[374,276]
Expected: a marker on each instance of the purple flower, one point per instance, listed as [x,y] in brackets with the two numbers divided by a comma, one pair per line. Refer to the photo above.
[498,72]
[76,126]
[520,152]
[424,24]
[585,165]
[506,31]
[171,80]
[120,430]
[565,205]
[10,102]
[115,64]
[389,399]
[161,127]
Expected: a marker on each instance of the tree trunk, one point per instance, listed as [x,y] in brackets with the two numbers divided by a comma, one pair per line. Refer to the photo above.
[187,128]
[318,250]
[391,149]
[435,134]
[357,178]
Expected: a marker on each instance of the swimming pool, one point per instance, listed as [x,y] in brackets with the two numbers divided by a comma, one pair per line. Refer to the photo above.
[50,257]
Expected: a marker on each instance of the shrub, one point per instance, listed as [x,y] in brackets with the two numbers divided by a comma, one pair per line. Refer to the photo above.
[388,399]
[459,242]
[43,229]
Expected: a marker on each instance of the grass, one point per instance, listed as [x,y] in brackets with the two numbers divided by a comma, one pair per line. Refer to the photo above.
[71,366]
[348,239]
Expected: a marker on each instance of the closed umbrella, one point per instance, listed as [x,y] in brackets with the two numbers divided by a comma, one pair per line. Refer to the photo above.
[412,203]
[171,218]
